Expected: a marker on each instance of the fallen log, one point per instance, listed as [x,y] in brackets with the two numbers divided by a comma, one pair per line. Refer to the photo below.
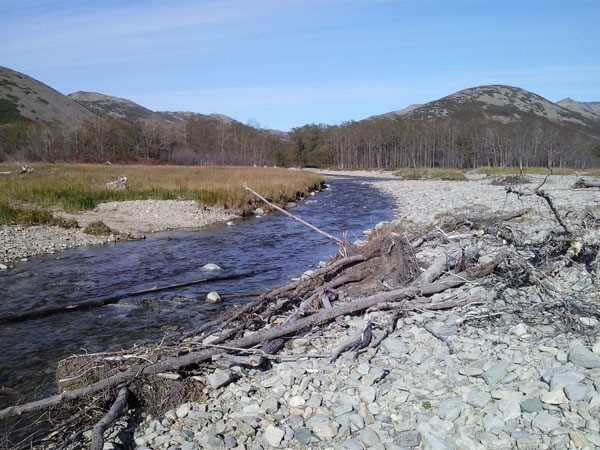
[113,414]
[175,363]
[582,183]
[50,311]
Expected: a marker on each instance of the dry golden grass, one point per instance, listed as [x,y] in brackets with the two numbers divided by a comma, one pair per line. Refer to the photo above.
[526,170]
[74,187]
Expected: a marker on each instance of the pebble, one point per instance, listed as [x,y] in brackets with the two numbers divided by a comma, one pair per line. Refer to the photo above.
[213,297]
[274,435]
[582,357]
[219,378]
[210,267]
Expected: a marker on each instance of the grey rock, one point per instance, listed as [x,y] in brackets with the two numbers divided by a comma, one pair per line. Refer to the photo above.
[303,435]
[496,373]
[450,409]
[560,379]
[274,435]
[408,439]
[353,444]
[395,347]
[545,422]
[493,423]
[315,400]
[213,297]
[470,371]
[210,267]
[369,437]
[183,410]
[230,441]
[510,409]
[219,378]
[477,398]
[576,392]
[367,394]
[323,427]
[554,397]
[270,404]
[582,357]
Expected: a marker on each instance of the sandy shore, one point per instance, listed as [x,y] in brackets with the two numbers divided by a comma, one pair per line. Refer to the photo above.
[128,219]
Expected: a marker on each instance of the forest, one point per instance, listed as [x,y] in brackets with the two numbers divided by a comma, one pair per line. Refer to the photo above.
[372,143]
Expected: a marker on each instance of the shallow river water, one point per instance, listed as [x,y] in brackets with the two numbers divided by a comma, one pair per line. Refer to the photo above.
[274,248]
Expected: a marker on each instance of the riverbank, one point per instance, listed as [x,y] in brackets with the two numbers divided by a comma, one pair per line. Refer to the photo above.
[50,207]
[507,358]
[506,370]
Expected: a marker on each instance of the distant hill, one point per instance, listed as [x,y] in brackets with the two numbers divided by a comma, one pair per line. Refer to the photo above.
[124,109]
[24,98]
[504,104]
[591,110]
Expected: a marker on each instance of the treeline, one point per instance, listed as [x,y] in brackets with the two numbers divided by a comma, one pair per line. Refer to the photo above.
[376,143]
[198,141]
[390,143]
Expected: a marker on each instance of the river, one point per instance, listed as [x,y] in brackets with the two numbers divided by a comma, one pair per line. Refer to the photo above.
[273,247]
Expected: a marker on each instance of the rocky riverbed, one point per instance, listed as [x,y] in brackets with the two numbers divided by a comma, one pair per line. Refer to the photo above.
[508,370]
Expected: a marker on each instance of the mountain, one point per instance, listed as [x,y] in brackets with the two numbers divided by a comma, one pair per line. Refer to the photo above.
[123,109]
[115,107]
[591,110]
[503,104]
[24,98]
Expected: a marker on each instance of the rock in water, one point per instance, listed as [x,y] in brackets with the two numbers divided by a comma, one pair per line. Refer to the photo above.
[3,267]
[582,357]
[210,267]
[213,297]
[259,212]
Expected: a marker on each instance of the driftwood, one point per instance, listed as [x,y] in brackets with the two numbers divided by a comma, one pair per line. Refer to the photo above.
[175,363]
[357,344]
[582,183]
[113,414]
[296,218]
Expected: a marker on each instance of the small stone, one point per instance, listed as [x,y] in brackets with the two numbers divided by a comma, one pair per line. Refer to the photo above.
[511,409]
[477,398]
[545,422]
[582,357]
[219,378]
[408,439]
[274,435]
[395,347]
[213,297]
[554,397]
[576,392]
[210,267]
[579,439]
[270,404]
[296,401]
[560,379]
[470,371]
[183,410]
[450,409]
[303,435]
[369,437]
[531,405]
[596,348]
[3,267]
[230,441]
[496,373]
[323,427]
[519,330]
[259,212]
[367,394]
[353,444]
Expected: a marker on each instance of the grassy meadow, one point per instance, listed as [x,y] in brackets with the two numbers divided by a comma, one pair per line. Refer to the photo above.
[31,198]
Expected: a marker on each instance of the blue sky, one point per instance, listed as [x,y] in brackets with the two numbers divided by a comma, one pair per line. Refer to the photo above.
[283,63]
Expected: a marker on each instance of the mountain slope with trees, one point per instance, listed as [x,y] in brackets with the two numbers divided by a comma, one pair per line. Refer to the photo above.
[482,126]
[487,125]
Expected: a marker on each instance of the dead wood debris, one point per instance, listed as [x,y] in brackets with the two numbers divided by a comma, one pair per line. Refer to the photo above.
[397,271]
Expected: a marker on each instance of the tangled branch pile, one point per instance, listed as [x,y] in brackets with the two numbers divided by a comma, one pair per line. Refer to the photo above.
[399,270]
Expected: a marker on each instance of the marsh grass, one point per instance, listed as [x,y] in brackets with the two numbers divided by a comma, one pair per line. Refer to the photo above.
[76,187]
[431,174]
